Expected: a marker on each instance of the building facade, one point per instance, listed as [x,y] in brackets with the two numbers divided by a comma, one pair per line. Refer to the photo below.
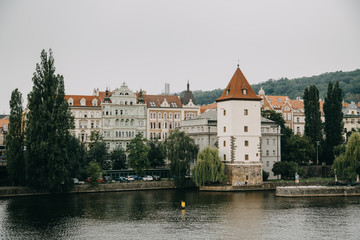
[123,117]
[239,131]
[86,110]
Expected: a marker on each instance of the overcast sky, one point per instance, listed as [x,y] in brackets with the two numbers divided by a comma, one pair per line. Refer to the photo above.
[99,44]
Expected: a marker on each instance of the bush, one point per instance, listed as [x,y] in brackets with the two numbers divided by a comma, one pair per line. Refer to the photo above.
[287,170]
[93,171]
[265,175]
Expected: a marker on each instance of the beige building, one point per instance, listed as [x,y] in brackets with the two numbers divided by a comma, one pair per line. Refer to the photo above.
[86,110]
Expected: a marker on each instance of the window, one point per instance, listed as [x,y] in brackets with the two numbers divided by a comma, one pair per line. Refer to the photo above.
[159,125]
[224,112]
[273,142]
[267,141]
[246,112]
[267,163]
[159,115]
[246,129]
[224,157]
[224,143]
[298,119]
[274,152]
[246,156]
[246,143]
[152,104]
[224,129]
[267,152]
[244,91]
[174,105]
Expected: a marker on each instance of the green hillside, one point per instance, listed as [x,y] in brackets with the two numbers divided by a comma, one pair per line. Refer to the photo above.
[349,82]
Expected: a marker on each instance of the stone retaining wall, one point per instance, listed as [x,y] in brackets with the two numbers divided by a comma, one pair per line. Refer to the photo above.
[317,191]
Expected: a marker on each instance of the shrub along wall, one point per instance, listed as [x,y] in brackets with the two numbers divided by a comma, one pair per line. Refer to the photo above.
[317,171]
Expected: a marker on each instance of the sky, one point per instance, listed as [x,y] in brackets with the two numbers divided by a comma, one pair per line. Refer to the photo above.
[101,44]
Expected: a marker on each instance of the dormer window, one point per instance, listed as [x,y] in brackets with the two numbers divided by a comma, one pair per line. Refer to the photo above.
[227,92]
[83,102]
[71,102]
[94,102]
[174,105]
[244,91]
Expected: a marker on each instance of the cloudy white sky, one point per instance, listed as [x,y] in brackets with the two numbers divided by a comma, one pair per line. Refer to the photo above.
[99,44]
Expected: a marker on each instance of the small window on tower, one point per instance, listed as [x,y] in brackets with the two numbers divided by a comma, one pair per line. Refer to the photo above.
[224,143]
[227,92]
[246,112]
[245,128]
[224,129]
[244,91]
[224,112]
[224,157]
[246,157]
[246,143]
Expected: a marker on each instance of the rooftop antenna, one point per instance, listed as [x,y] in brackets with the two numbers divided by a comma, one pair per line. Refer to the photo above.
[238,65]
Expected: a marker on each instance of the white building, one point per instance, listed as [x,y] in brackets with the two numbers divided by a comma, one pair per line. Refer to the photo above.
[123,117]
[270,145]
[86,111]
[239,131]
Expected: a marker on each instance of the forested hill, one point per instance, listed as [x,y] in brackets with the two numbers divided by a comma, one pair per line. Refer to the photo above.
[293,88]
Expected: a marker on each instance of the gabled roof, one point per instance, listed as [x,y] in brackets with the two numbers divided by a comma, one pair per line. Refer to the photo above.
[88,98]
[297,104]
[207,107]
[234,90]
[188,95]
[155,101]
[276,101]
[102,95]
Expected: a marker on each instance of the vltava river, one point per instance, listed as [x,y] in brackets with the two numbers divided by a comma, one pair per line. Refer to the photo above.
[156,215]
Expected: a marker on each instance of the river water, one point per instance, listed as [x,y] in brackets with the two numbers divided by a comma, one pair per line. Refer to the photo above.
[157,215]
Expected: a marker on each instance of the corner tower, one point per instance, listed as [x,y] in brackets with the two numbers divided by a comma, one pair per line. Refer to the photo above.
[239,131]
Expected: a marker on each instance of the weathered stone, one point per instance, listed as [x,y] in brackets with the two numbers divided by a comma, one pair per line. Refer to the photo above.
[244,174]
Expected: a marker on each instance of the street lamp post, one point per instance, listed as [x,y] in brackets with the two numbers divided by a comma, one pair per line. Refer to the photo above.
[317,152]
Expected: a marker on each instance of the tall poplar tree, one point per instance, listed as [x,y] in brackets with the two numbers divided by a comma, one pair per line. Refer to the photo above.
[313,124]
[333,121]
[48,130]
[15,141]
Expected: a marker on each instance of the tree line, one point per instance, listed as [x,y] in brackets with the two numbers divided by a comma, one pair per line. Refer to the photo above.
[349,82]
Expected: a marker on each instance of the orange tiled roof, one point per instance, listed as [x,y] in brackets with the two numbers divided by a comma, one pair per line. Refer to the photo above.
[209,106]
[77,98]
[234,90]
[276,101]
[159,99]
[103,94]
[297,104]
[4,121]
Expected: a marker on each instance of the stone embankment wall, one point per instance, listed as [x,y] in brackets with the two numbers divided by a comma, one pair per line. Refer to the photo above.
[317,191]
[88,188]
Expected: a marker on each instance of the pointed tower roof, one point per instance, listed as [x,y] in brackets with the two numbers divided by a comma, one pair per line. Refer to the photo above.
[238,89]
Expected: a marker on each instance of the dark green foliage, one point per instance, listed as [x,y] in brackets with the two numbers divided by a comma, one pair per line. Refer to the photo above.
[208,167]
[333,121]
[138,155]
[287,170]
[293,88]
[265,175]
[15,141]
[156,154]
[347,164]
[79,162]
[180,150]
[274,116]
[118,158]
[98,153]
[93,171]
[47,135]
[299,149]
[313,124]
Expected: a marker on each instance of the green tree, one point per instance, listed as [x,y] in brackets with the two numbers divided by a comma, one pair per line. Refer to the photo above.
[94,172]
[313,124]
[208,167]
[347,164]
[118,158]
[48,130]
[138,154]
[77,153]
[156,154]
[274,116]
[15,141]
[333,121]
[180,150]
[98,153]
[300,150]
[287,170]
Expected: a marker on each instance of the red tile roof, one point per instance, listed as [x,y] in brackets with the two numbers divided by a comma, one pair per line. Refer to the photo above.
[4,121]
[297,104]
[276,101]
[234,90]
[159,99]
[77,98]
[209,106]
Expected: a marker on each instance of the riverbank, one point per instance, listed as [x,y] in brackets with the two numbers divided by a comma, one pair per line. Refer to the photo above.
[265,186]
[88,188]
[317,191]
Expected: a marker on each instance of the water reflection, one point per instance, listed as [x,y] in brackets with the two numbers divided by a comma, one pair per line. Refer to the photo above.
[157,215]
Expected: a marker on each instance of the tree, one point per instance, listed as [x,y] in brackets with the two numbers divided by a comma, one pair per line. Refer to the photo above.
[138,154]
[208,167]
[347,164]
[118,158]
[156,154]
[98,153]
[274,116]
[313,124]
[333,121]
[180,150]
[94,171]
[48,130]
[77,153]
[299,149]
[287,170]
[15,141]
